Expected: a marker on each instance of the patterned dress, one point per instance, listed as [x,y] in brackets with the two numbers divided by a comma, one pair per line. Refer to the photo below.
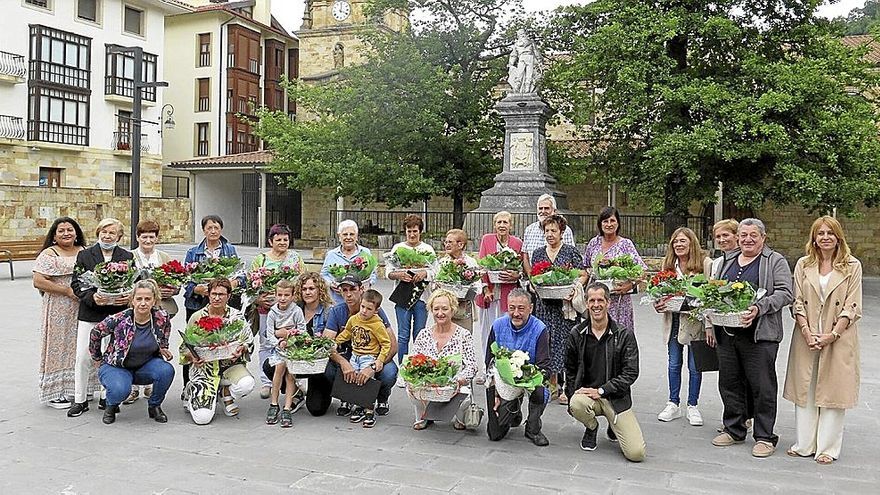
[57,330]
[550,311]
[621,308]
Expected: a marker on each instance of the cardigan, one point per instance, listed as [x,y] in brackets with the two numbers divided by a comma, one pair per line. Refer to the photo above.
[121,327]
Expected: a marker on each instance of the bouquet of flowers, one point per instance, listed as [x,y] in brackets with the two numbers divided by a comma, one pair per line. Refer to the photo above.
[431,379]
[362,266]
[214,338]
[457,277]
[111,278]
[725,302]
[404,257]
[170,274]
[307,355]
[504,260]
[263,280]
[514,375]
[210,268]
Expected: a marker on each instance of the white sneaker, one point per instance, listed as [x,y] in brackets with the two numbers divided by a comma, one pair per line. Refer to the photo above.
[670,412]
[400,383]
[694,416]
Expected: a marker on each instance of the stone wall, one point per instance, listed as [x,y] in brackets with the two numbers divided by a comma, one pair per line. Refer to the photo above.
[27,212]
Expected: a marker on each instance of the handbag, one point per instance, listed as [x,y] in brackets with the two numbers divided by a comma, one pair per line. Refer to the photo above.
[705,357]
[473,416]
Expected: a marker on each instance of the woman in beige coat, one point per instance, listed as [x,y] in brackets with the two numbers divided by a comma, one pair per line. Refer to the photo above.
[823,363]
[685,257]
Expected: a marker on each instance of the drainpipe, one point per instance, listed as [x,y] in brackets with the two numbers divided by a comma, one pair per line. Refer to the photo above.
[220,87]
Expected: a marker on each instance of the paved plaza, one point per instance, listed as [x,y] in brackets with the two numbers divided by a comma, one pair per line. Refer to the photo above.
[44,451]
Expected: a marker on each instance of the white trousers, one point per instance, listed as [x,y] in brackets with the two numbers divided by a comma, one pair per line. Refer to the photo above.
[819,430]
[84,376]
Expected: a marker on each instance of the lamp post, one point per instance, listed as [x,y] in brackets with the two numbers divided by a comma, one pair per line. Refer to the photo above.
[165,119]
[136,113]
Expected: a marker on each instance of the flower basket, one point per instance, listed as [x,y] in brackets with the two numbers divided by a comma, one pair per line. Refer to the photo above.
[217,352]
[299,367]
[553,291]
[674,304]
[460,291]
[505,390]
[433,393]
[608,282]
[733,320]
[116,293]
[495,276]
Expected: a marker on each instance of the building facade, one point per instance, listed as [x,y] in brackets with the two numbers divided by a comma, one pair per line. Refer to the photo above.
[65,114]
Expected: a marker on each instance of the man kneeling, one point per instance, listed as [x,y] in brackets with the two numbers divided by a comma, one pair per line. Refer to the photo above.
[603,360]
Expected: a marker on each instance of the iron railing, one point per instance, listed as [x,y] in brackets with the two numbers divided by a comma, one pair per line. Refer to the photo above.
[122,142]
[12,64]
[11,127]
[648,232]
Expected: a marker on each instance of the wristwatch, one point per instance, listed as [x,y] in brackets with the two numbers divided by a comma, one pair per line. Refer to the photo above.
[836,335]
[373,366]
[601,391]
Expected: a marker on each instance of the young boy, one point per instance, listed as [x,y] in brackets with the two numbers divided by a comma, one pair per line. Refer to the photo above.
[284,319]
[369,343]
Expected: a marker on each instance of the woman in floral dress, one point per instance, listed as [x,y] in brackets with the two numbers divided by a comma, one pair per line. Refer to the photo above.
[549,311]
[53,271]
[610,244]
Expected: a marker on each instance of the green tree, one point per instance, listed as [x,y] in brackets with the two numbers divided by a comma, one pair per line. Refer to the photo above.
[414,120]
[761,96]
[861,21]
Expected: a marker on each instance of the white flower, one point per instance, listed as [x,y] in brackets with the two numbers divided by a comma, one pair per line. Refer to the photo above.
[517,373]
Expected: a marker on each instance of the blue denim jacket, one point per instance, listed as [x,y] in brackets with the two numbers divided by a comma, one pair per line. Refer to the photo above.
[196,254]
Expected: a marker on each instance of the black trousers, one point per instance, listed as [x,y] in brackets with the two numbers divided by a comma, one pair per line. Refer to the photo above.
[510,413]
[747,370]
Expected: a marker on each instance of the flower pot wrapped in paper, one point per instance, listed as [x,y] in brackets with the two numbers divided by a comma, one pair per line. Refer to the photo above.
[617,270]
[214,338]
[457,277]
[725,303]
[553,282]
[111,278]
[513,375]
[202,272]
[263,280]
[171,274]
[306,354]
[362,266]
[404,257]
[431,379]
[668,288]
[504,260]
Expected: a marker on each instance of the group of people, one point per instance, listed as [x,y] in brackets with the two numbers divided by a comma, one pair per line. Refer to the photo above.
[589,357]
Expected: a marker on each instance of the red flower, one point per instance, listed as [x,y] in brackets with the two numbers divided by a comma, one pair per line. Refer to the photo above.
[418,360]
[210,323]
[173,267]
[663,277]
[541,267]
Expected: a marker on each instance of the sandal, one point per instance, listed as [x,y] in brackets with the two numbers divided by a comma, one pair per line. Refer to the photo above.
[286,420]
[272,414]
[458,425]
[230,407]
[563,399]
[824,459]
[422,424]
[793,453]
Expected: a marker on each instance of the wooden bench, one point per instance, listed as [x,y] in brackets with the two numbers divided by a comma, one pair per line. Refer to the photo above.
[18,251]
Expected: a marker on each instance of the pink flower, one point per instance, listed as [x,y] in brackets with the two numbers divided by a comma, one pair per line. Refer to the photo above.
[468,274]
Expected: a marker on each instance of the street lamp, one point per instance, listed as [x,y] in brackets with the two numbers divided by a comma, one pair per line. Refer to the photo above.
[165,117]
[136,113]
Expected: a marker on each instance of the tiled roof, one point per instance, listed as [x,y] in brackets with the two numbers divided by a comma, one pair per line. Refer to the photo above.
[574,148]
[860,40]
[251,159]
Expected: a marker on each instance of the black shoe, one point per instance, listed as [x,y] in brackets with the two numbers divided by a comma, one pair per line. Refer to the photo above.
[589,441]
[344,409]
[157,413]
[358,415]
[538,439]
[369,420]
[110,415]
[382,409]
[77,409]
[611,435]
[516,421]
[102,404]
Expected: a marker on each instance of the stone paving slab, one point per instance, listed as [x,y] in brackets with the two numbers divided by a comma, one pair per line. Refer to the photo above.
[46,452]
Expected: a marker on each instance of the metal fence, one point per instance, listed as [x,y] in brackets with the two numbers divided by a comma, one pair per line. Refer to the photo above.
[646,231]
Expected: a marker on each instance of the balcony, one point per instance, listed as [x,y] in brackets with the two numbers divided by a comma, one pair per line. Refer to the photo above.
[13,68]
[122,142]
[11,127]
[121,90]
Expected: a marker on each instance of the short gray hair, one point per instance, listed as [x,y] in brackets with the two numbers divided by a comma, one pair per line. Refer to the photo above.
[754,222]
[547,197]
[346,224]
[519,292]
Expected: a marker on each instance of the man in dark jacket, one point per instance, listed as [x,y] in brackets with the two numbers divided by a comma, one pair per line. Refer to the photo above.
[603,360]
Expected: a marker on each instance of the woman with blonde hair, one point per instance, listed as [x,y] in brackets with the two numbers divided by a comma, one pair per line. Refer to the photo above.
[823,362]
[685,257]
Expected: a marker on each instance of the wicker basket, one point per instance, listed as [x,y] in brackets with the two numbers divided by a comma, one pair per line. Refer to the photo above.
[118,293]
[460,291]
[495,276]
[307,367]
[553,291]
[733,320]
[218,353]
[433,393]
[607,283]
[505,390]
[674,304]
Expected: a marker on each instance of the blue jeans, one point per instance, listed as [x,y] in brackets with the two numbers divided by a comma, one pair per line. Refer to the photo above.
[361,362]
[118,381]
[676,353]
[413,319]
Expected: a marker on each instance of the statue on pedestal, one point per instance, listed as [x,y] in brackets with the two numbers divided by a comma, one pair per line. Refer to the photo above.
[524,65]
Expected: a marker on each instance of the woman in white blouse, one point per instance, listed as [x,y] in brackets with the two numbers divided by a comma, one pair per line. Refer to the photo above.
[445,338]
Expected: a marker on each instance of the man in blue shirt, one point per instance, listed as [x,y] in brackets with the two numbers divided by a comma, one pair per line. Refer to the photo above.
[319,396]
[519,330]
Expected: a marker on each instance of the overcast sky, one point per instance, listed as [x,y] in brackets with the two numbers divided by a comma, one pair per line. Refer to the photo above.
[289,12]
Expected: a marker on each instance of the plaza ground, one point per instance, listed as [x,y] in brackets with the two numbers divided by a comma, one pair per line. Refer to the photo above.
[44,451]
